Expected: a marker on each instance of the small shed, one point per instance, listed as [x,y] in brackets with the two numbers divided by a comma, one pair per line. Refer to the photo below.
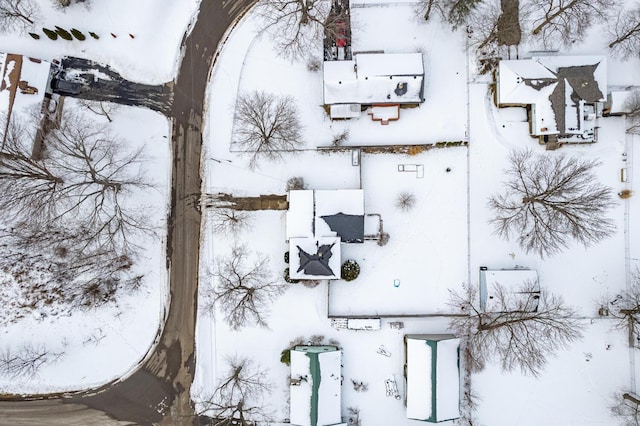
[315,386]
[521,286]
[432,372]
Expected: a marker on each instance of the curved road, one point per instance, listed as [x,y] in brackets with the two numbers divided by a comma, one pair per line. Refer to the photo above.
[159,391]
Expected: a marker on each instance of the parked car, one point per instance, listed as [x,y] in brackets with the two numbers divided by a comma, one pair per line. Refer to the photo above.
[64,87]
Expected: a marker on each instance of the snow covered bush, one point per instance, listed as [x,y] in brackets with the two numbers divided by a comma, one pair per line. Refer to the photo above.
[296,183]
[350,270]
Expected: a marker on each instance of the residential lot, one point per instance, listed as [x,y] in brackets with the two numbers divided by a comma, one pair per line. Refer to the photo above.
[435,247]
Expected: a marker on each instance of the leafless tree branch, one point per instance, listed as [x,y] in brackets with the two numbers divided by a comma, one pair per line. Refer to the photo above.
[520,332]
[566,21]
[244,290]
[549,200]
[238,398]
[27,361]
[85,173]
[267,126]
[18,15]
[624,33]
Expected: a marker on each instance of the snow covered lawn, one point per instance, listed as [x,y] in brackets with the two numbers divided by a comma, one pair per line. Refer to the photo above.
[438,245]
[150,56]
[105,343]
[426,256]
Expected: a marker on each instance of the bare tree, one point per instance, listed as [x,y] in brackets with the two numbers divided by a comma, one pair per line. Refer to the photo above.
[85,173]
[228,221]
[566,21]
[237,401]
[102,108]
[426,8]
[18,15]
[266,125]
[458,11]
[625,33]
[66,3]
[295,183]
[297,26]
[520,332]
[550,200]
[632,105]
[406,201]
[483,25]
[27,361]
[244,290]
[626,408]
[625,308]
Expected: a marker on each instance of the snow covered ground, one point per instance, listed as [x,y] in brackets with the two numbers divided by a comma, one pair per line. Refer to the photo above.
[105,343]
[433,247]
[151,56]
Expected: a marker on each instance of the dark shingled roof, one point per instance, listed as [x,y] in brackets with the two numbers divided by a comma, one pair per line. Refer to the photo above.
[316,264]
[584,86]
[349,227]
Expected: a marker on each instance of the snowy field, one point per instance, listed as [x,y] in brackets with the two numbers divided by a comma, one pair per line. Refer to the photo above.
[150,57]
[433,247]
[105,343]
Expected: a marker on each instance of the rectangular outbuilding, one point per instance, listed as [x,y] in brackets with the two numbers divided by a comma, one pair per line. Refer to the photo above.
[432,371]
[316,386]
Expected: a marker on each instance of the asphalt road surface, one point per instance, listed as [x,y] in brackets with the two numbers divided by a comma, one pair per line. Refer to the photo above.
[98,82]
[159,391]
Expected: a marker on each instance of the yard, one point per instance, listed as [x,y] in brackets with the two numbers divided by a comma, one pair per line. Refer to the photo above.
[436,246]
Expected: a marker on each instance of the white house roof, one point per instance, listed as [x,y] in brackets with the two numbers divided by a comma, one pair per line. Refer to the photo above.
[617,101]
[372,78]
[419,390]
[514,75]
[551,84]
[389,64]
[512,281]
[323,405]
[300,214]
[433,395]
[307,208]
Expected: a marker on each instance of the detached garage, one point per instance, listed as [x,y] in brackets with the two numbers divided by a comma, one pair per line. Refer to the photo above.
[433,377]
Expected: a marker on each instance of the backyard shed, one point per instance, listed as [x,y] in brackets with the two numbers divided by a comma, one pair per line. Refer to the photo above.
[315,386]
[432,372]
[520,286]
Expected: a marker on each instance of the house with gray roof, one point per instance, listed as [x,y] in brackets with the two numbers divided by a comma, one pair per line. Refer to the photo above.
[564,95]
[318,222]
